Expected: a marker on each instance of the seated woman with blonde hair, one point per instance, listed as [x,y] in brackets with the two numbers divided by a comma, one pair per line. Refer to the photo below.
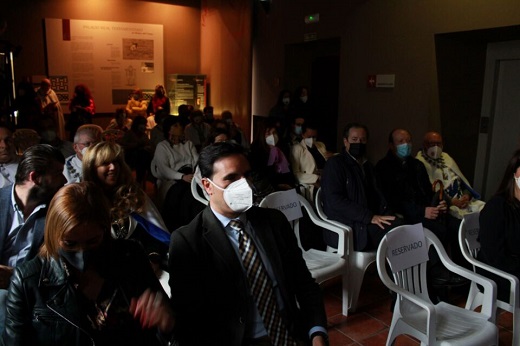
[133,214]
[85,288]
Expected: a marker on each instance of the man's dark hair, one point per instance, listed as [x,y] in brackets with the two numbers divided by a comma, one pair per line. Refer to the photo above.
[39,159]
[214,152]
[354,126]
[168,122]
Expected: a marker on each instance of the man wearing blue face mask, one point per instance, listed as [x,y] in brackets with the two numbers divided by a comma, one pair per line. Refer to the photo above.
[405,182]
[213,260]
[407,188]
[351,195]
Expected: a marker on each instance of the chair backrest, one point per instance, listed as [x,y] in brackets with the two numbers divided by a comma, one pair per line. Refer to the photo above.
[468,235]
[25,138]
[318,201]
[267,202]
[409,272]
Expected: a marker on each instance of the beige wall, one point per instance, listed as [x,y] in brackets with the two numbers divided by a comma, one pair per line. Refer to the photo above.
[226,57]
[377,37]
[214,40]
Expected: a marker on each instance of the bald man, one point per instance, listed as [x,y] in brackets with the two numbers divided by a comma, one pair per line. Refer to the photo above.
[440,166]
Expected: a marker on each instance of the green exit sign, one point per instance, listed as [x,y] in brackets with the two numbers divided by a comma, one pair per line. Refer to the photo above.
[312,18]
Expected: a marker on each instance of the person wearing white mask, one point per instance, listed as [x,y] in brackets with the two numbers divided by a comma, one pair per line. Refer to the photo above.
[86,135]
[441,166]
[271,169]
[210,274]
[308,158]
[303,104]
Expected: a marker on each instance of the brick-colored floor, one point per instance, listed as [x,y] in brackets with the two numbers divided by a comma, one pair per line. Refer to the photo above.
[369,324]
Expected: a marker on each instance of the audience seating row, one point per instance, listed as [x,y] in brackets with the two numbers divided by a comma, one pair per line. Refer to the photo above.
[414,313]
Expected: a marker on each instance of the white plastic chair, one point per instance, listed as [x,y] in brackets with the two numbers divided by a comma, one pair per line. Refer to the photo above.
[470,246]
[358,261]
[323,265]
[440,324]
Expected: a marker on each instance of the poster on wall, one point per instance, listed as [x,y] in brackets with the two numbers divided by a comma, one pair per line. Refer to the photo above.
[111,58]
[188,89]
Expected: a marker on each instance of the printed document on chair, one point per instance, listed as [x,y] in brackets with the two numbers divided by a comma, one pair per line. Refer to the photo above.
[471,227]
[287,202]
[406,247]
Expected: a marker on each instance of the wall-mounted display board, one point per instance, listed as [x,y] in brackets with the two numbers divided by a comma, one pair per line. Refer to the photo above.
[188,89]
[111,58]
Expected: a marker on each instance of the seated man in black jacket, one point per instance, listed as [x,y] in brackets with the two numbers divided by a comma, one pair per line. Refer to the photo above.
[350,193]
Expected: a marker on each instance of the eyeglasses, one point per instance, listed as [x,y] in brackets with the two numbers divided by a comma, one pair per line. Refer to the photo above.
[87,144]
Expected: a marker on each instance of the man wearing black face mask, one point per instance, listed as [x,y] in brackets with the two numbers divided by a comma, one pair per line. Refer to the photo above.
[350,193]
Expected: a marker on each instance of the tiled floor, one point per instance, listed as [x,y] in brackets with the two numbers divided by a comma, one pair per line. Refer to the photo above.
[369,324]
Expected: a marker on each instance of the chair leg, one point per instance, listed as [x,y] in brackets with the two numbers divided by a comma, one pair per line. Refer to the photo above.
[345,294]
[516,326]
[355,281]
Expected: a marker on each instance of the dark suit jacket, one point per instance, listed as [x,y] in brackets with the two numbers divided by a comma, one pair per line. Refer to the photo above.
[209,288]
[6,221]
[351,195]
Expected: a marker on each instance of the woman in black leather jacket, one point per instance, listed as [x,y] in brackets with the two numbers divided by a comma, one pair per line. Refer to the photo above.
[85,288]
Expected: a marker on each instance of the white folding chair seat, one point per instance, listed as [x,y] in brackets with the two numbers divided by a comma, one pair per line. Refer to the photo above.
[322,265]
[470,246]
[358,261]
[440,324]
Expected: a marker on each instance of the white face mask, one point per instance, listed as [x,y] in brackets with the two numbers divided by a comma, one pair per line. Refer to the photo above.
[237,195]
[286,101]
[434,152]
[517,181]
[271,140]
[303,99]
[309,142]
[84,151]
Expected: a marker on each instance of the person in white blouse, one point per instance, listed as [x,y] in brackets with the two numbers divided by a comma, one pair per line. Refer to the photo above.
[8,158]
[174,158]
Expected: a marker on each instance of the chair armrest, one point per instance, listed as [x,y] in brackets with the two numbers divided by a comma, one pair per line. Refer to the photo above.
[514,294]
[490,287]
[340,231]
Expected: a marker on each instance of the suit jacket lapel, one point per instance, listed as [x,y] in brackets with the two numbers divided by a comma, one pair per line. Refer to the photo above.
[217,239]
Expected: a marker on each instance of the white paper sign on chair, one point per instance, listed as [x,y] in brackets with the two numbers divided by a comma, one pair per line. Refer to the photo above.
[472,226]
[287,202]
[406,247]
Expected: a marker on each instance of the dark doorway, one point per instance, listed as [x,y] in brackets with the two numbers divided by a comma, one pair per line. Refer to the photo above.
[316,65]
[461,61]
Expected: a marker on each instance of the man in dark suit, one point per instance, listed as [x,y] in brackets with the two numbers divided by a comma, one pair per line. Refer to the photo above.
[211,288]
[22,219]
